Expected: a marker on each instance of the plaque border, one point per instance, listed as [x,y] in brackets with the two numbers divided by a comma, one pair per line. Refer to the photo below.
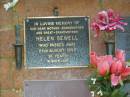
[55,67]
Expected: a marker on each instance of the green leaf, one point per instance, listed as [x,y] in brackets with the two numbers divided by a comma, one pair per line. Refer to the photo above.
[118,93]
[128,63]
[100,78]
[115,92]
[121,83]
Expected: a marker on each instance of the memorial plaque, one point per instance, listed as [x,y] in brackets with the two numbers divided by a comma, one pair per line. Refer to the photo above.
[64,88]
[123,39]
[56,42]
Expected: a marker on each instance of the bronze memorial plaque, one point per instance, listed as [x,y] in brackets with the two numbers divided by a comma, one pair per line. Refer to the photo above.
[57,42]
[61,88]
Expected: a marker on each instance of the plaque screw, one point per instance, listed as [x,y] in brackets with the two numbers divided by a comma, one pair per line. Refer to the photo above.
[86,19]
[27,20]
[26,85]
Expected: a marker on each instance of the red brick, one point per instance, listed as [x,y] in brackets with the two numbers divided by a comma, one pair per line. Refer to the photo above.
[52,74]
[5,74]
[121,6]
[18,77]
[7,39]
[10,94]
[5,17]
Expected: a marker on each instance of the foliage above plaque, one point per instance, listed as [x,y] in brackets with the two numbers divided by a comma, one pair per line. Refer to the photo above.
[107,21]
[53,42]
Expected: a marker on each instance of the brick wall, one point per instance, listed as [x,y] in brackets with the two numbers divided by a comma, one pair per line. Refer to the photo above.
[11,80]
